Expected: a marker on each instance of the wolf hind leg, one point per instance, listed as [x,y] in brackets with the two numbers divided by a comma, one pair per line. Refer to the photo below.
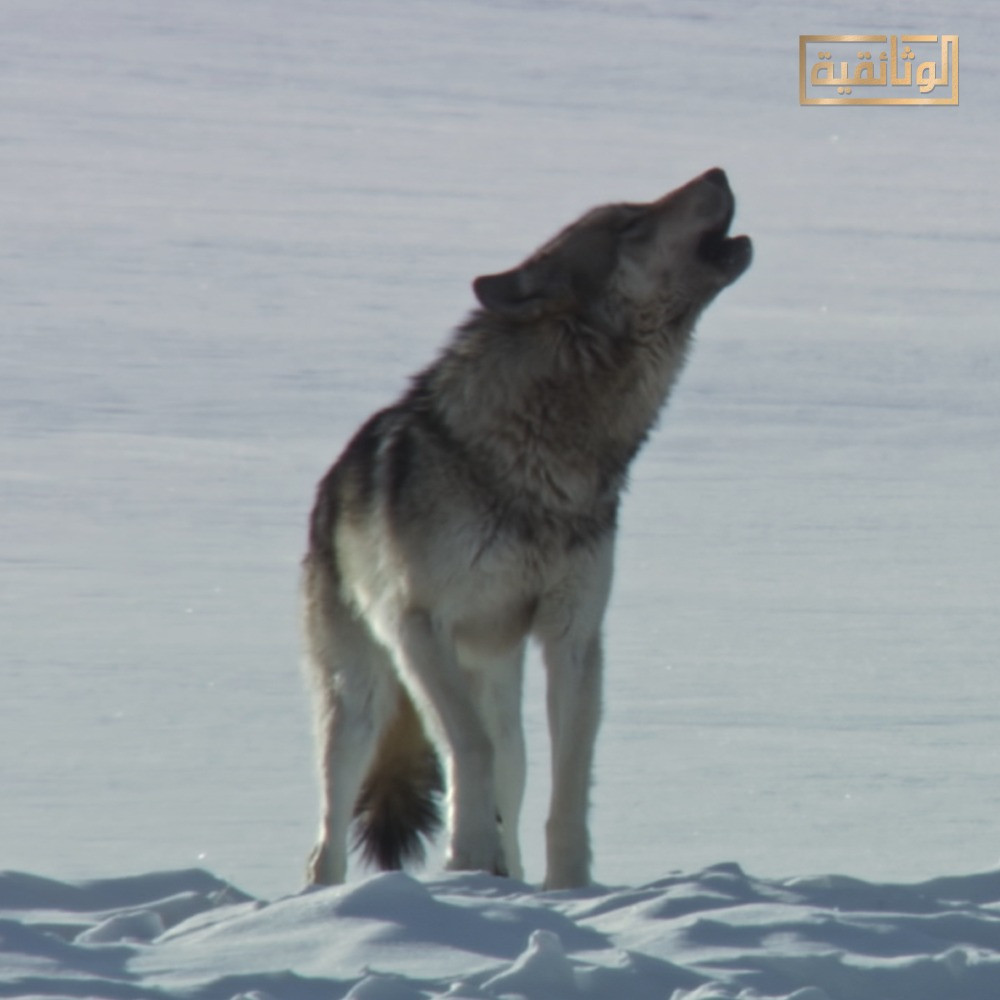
[497,685]
[346,747]
[349,724]
[440,690]
[355,695]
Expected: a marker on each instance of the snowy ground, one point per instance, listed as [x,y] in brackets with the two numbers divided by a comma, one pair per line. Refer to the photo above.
[232,229]
[714,935]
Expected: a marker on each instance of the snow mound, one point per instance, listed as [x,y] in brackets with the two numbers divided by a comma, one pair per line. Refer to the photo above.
[718,934]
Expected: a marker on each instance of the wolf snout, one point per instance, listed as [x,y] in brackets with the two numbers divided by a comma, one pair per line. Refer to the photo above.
[716,176]
[713,195]
[730,255]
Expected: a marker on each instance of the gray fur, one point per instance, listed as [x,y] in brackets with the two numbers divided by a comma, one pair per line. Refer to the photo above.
[479,511]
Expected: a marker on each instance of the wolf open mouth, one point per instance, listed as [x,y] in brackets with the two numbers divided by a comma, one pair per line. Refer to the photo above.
[731,254]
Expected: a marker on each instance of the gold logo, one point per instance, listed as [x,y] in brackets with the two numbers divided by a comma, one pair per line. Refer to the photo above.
[913,69]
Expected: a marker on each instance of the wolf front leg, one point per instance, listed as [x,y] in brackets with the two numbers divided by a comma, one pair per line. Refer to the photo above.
[574,711]
[570,632]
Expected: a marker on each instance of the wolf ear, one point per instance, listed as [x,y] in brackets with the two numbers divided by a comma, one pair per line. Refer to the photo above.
[523,293]
[501,292]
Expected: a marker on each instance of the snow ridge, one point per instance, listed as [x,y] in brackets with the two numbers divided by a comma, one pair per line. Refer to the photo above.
[718,934]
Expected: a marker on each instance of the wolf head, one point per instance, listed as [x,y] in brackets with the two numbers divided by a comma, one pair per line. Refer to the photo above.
[651,266]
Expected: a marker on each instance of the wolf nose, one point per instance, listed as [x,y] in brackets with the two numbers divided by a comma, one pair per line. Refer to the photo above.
[716,176]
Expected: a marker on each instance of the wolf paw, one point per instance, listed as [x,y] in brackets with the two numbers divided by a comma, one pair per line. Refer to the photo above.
[491,860]
[321,868]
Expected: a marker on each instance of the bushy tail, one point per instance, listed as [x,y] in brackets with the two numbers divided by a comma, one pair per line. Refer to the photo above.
[398,805]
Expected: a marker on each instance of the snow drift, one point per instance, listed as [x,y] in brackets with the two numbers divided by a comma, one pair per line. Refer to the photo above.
[710,935]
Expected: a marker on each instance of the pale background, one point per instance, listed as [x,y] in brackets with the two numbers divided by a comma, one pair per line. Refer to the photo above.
[231,230]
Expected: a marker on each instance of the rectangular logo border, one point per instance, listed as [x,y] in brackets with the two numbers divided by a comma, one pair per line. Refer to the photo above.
[804,101]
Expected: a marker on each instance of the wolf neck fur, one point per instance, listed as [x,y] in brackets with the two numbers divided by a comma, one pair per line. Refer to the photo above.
[529,401]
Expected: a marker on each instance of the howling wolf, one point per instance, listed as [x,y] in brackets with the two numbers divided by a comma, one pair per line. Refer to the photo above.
[479,510]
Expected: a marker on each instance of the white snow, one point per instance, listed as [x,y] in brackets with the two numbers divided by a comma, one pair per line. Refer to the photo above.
[718,934]
[232,228]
